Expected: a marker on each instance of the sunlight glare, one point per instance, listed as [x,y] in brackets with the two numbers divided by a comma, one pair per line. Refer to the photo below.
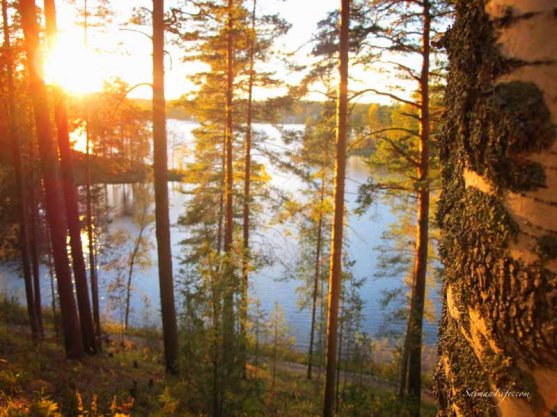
[74,68]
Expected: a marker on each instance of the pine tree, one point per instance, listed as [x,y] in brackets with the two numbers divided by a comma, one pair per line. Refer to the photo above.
[170,329]
[407,31]
[32,291]
[70,198]
[52,184]
[338,219]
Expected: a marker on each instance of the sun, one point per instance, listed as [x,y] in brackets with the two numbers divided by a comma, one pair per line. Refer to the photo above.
[73,67]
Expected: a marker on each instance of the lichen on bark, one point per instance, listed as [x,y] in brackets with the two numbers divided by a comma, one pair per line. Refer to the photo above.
[493,122]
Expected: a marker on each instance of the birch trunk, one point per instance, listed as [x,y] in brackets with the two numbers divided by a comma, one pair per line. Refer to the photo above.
[498,212]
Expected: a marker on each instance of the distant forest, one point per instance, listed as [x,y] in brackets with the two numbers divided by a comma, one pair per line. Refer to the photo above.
[290,112]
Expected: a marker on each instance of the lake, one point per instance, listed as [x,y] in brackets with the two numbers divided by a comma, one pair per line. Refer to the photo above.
[268,284]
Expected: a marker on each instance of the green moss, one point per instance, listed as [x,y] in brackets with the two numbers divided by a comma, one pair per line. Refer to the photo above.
[510,119]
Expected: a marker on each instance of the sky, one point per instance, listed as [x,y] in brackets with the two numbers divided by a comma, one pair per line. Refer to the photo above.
[118,52]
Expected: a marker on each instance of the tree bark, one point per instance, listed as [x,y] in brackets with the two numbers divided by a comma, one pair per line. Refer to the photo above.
[31,293]
[170,329]
[55,210]
[338,226]
[71,198]
[497,212]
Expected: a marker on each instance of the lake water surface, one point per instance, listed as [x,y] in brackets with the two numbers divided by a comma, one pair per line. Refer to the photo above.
[268,284]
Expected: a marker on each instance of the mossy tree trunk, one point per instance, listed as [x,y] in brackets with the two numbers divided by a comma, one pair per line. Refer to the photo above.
[498,212]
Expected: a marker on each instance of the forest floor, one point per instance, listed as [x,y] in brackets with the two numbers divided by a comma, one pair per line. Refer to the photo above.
[128,378]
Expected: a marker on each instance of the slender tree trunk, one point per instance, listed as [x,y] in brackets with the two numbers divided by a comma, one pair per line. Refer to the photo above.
[337,232]
[34,233]
[35,256]
[70,194]
[322,319]
[89,207]
[228,304]
[170,329]
[91,245]
[247,194]
[316,275]
[133,256]
[55,211]
[420,266]
[21,192]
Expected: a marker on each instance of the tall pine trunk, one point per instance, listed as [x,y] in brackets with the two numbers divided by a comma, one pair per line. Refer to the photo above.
[338,217]
[170,329]
[247,191]
[498,212]
[228,302]
[412,353]
[55,210]
[71,198]
[33,306]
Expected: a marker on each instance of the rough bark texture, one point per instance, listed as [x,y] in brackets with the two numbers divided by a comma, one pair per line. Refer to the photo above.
[169,326]
[498,212]
[338,216]
[55,211]
[70,194]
